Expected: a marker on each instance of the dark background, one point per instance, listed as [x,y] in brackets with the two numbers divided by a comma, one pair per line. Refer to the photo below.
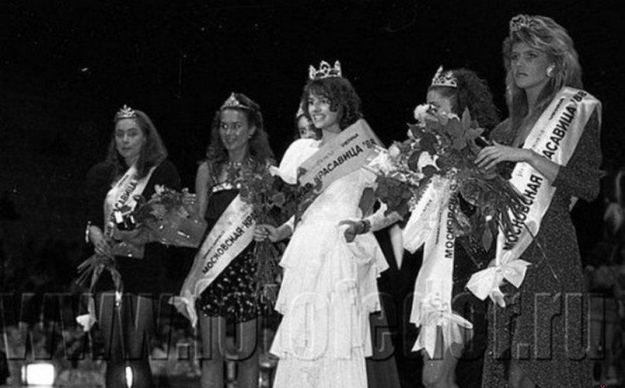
[66,66]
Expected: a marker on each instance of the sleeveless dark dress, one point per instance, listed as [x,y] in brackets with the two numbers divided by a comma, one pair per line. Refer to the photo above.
[470,257]
[231,295]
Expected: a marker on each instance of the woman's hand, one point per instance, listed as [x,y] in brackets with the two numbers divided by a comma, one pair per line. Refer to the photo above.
[354,228]
[263,232]
[490,156]
[189,200]
[137,236]
[100,243]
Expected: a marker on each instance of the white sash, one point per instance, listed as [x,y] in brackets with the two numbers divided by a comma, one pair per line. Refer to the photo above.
[430,223]
[232,233]
[350,150]
[555,136]
[122,194]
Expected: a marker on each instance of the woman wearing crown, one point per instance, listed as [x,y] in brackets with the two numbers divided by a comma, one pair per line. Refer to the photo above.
[329,286]
[224,289]
[135,163]
[455,359]
[550,142]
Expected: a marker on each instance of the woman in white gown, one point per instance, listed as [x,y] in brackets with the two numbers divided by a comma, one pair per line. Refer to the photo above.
[329,285]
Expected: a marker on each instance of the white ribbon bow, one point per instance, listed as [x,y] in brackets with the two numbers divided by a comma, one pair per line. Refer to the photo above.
[486,282]
[185,304]
[435,313]
[88,320]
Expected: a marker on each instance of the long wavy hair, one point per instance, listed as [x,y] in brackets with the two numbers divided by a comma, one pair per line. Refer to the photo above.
[472,93]
[259,149]
[544,34]
[153,151]
[342,95]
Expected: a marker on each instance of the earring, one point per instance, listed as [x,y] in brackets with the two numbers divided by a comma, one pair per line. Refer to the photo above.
[550,70]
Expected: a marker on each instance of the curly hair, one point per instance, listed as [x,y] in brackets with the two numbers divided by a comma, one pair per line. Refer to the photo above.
[472,93]
[544,34]
[342,95]
[152,153]
[259,148]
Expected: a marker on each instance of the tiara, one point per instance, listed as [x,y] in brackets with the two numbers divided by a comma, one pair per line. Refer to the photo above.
[522,21]
[325,71]
[125,112]
[444,79]
[232,102]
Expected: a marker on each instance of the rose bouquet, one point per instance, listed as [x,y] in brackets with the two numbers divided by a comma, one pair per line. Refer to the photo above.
[169,219]
[443,145]
[165,218]
[274,202]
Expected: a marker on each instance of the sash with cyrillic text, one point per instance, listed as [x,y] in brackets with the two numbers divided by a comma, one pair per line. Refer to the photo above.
[350,150]
[554,136]
[431,225]
[123,194]
[232,233]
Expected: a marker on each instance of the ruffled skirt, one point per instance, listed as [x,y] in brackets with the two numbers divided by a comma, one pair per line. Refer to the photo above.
[328,291]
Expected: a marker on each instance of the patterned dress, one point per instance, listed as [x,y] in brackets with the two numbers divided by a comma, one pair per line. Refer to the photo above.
[544,326]
[231,295]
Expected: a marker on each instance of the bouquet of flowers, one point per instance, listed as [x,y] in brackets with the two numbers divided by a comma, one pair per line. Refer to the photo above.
[444,145]
[274,202]
[164,218]
[169,220]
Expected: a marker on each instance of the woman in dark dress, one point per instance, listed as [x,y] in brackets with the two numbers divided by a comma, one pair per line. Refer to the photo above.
[452,92]
[551,144]
[238,141]
[135,163]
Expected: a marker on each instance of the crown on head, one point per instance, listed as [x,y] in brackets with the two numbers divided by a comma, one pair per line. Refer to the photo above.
[233,102]
[325,71]
[444,78]
[522,21]
[125,112]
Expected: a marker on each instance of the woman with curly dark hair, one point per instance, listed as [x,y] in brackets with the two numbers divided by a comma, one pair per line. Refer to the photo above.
[238,142]
[471,92]
[453,92]
[329,286]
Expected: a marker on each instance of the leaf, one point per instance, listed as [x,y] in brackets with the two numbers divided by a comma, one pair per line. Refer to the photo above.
[413,161]
[429,171]
[444,162]
[382,191]
[454,128]
[466,119]
[415,130]
[459,143]
[427,143]
[487,239]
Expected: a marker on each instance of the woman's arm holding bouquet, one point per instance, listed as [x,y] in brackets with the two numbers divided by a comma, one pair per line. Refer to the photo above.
[100,243]
[490,156]
[274,234]
[202,181]
[377,221]
[96,186]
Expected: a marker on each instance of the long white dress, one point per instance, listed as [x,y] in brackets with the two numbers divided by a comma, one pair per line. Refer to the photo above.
[329,286]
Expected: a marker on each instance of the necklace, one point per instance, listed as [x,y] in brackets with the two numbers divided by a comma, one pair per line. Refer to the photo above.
[234,165]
